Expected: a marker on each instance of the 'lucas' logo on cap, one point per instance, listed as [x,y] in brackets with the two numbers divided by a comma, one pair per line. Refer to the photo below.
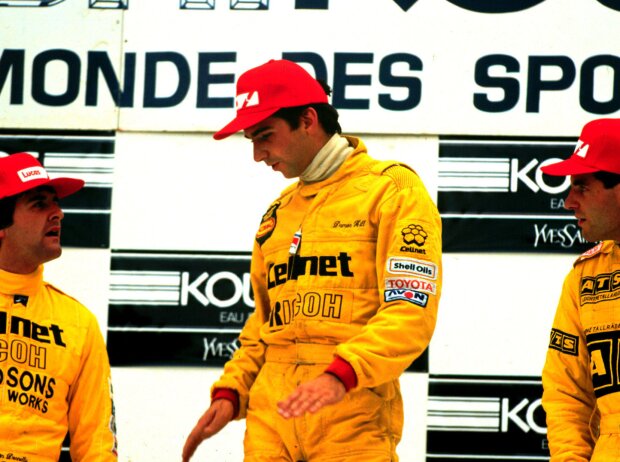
[581,149]
[31,173]
[244,100]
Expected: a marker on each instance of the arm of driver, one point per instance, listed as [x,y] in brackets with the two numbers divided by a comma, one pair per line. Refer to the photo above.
[212,421]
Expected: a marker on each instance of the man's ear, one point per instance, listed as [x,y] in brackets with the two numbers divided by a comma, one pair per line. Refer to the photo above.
[309,118]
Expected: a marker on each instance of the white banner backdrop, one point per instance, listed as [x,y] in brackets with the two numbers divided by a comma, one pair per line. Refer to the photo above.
[427,67]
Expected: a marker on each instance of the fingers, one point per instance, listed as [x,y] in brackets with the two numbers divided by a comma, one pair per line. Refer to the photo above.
[190,447]
[197,436]
[299,403]
[212,421]
[312,396]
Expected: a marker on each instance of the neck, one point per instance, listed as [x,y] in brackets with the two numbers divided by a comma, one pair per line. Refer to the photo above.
[23,262]
[17,268]
[329,158]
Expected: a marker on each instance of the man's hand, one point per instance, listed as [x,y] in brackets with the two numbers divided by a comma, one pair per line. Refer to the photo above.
[217,416]
[312,396]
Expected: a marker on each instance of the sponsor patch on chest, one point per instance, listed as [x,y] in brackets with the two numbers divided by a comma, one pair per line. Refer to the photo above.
[317,305]
[600,288]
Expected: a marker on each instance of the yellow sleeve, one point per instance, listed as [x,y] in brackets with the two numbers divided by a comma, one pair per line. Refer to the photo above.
[241,370]
[399,331]
[92,426]
[568,397]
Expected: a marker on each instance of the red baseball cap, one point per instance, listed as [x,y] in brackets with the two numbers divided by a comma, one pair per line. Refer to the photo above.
[598,149]
[265,89]
[21,171]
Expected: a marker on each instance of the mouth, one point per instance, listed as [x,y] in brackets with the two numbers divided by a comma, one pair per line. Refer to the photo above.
[54,232]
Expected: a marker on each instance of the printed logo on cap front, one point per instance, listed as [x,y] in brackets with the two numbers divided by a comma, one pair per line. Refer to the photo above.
[31,173]
[581,149]
[245,100]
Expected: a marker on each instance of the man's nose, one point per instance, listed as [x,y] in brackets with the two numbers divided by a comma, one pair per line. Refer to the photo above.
[259,154]
[57,213]
[569,202]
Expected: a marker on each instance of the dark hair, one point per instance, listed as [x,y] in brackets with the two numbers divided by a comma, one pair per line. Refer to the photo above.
[328,115]
[608,179]
[7,210]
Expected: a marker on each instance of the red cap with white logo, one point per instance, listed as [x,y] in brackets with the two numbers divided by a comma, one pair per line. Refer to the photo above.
[21,172]
[598,149]
[265,89]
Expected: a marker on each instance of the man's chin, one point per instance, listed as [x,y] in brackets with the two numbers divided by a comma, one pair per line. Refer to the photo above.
[53,254]
[591,237]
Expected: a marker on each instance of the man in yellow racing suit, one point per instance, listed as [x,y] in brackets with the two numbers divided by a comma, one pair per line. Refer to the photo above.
[54,368]
[581,376]
[346,272]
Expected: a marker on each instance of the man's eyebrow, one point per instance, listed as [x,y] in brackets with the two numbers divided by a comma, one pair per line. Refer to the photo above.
[578,182]
[41,195]
[258,131]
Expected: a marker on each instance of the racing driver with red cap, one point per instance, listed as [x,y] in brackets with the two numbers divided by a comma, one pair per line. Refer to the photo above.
[54,368]
[346,273]
[581,376]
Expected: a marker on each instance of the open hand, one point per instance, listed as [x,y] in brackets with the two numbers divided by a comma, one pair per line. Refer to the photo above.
[312,396]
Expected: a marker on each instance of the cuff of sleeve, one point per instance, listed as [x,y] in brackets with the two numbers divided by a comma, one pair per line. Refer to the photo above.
[229,394]
[343,371]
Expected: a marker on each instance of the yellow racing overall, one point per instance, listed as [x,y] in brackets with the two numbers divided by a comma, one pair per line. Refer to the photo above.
[581,377]
[54,375]
[348,268]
